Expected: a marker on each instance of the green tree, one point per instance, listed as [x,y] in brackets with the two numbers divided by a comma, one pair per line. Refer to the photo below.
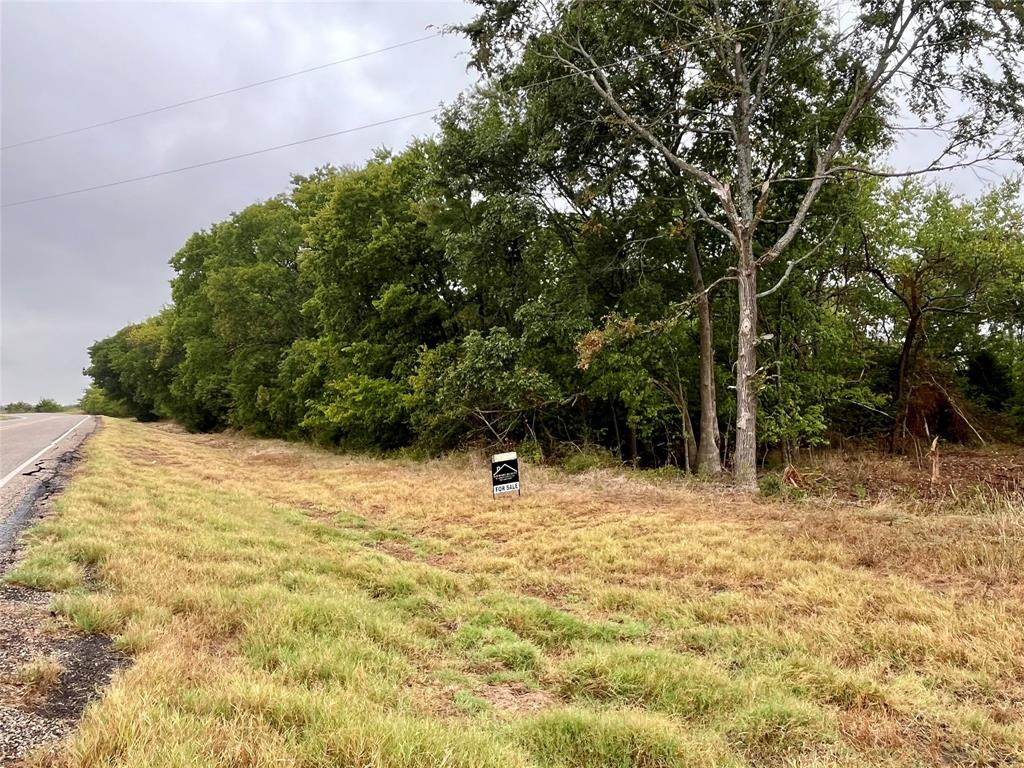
[131,367]
[97,402]
[376,266]
[757,104]
[562,225]
[238,295]
[948,275]
[479,386]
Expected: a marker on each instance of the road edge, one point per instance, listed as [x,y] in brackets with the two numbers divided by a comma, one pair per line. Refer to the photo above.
[50,482]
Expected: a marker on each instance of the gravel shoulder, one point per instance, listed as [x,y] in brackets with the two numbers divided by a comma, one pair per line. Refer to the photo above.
[48,671]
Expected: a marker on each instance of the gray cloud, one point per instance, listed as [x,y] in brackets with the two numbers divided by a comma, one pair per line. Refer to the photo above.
[75,269]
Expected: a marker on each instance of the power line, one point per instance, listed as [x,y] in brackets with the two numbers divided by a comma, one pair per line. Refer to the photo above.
[209,96]
[217,161]
[222,159]
[241,155]
[329,64]
[352,130]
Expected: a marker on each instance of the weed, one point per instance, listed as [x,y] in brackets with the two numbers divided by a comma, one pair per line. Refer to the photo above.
[40,674]
[771,485]
[470,705]
[498,645]
[588,458]
[530,452]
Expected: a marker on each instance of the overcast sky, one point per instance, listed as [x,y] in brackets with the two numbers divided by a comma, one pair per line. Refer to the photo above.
[78,268]
[75,269]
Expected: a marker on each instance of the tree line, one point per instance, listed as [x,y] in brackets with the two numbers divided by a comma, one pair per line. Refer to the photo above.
[658,229]
[45,405]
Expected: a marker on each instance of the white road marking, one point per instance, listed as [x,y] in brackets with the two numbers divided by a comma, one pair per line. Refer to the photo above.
[14,473]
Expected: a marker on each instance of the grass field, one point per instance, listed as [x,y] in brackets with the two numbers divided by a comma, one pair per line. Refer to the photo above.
[290,607]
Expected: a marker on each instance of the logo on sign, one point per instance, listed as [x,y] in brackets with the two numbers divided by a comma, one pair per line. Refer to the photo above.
[505,473]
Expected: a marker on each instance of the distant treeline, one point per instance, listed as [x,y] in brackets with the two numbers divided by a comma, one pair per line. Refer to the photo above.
[536,274]
[45,405]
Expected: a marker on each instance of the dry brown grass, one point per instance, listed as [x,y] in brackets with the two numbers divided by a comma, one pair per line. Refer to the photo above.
[602,619]
[39,674]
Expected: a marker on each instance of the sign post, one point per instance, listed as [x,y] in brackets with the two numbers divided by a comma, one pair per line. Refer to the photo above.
[505,474]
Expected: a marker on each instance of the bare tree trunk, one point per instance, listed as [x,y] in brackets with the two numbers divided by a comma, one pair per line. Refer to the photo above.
[903,378]
[906,353]
[745,455]
[618,438]
[691,441]
[904,35]
[708,459]
[670,453]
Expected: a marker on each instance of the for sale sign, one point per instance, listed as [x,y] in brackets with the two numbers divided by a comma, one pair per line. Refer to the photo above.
[505,473]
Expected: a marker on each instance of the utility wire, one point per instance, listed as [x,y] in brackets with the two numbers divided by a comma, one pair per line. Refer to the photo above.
[527,86]
[341,132]
[222,159]
[209,96]
[319,67]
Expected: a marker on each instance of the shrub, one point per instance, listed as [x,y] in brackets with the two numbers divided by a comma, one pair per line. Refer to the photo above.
[771,485]
[97,402]
[588,458]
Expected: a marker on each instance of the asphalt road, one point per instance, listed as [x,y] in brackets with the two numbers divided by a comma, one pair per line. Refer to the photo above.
[24,439]
[32,443]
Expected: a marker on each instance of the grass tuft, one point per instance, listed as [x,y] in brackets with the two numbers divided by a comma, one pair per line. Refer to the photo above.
[46,569]
[685,686]
[39,674]
[779,725]
[580,738]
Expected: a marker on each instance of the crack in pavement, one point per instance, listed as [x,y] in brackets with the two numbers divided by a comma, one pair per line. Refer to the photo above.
[39,468]
[24,513]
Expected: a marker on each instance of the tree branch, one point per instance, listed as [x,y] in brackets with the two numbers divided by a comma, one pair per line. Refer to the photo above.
[785,276]
[881,75]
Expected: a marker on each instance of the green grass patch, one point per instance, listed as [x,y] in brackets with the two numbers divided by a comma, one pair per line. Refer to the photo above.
[683,685]
[580,738]
[779,725]
[47,569]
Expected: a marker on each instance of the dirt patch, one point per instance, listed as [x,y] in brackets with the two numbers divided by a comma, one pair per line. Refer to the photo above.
[276,456]
[146,456]
[170,427]
[395,549]
[30,717]
[868,475]
[516,698]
